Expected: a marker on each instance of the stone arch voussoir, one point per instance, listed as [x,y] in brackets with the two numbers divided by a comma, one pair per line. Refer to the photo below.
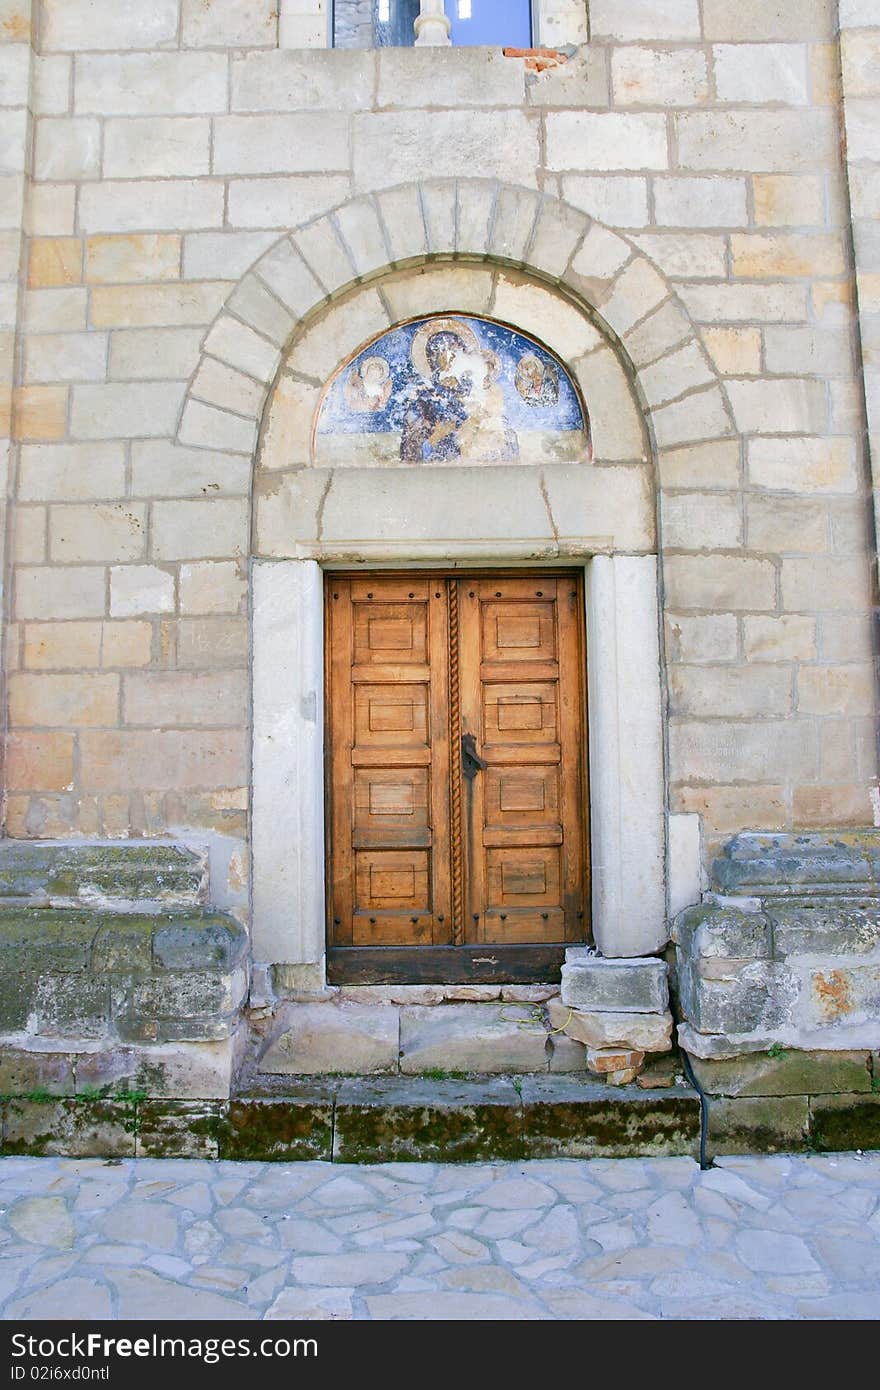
[474,221]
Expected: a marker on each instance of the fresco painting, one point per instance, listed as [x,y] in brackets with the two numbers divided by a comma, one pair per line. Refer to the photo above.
[451,389]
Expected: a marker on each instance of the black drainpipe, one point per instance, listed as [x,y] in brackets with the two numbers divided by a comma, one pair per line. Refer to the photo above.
[705,1161]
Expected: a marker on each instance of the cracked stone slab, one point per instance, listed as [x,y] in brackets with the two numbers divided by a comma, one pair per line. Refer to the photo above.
[334,1037]
[473,1038]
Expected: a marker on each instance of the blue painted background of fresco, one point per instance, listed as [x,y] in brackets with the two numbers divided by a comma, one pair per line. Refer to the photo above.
[337,416]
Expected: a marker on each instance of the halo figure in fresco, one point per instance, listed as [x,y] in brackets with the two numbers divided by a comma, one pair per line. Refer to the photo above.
[536,381]
[450,388]
[368,388]
[458,411]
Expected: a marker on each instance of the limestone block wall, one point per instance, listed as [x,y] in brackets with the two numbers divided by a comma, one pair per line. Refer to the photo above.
[860,74]
[174,143]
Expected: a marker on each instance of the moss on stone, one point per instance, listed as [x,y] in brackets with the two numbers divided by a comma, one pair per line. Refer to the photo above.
[281,1129]
[845,1122]
[758,1125]
[425,1134]
[178,1129]
[72,1127]
[605,1122]
[785,1072]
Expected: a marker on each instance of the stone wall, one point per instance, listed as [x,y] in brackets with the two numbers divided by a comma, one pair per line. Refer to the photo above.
[175,143]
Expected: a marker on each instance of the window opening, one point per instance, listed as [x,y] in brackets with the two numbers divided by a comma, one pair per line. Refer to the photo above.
[391,23]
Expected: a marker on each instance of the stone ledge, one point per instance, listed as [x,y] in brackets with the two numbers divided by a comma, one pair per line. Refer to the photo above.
[784,865]
[427,1121]
[758,1124]
[786,1073]
[180,1071]
[339,1036]
[105,877]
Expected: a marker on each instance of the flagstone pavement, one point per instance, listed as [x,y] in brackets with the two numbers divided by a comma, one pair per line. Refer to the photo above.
[752,1238]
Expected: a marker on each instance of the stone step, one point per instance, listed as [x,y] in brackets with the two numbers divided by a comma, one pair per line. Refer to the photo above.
[342,1036]
[369,1120]
[405,1118]
[104,877]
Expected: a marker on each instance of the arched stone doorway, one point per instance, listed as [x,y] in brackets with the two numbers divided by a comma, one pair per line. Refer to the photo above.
[534,264]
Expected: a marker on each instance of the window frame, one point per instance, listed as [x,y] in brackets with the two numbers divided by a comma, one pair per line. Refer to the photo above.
[534,23]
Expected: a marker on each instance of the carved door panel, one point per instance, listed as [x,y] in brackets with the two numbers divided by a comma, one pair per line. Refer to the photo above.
[521,699]
[456,776]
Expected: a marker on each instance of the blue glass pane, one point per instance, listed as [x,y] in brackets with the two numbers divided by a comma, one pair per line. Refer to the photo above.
[495,23]
[374,23]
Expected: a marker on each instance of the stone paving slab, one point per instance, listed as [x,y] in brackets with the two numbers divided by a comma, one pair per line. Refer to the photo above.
[785,1237]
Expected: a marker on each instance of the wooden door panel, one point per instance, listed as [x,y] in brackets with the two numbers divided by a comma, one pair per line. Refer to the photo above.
[523,632]
[388,767]
[391,807]
[517,927]
[522,797]
[391,716]
[514,712]
[422,857]
[523,877]
[526,851]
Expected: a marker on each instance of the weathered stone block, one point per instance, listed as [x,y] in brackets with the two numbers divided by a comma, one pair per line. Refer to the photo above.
[643,1032]
[391,147]
[785,1073]
[123,946]
[177,1129]
[298,1126]
[828,930]
[599,984]
[473,1038]
[16,997]
[748,995]
[75,1128]
[421,1121]
[179,996]
[314,1038]
[609,1061]
[186,1070]
[41,940]
[70,1006]
[565,1118]
[142,84]
[660,1072]
[212,942]
[769,1124]
[75,24]
[707,931]
[23,1071]
[567,1054]
[606,140]
[845,1122]
[805,861]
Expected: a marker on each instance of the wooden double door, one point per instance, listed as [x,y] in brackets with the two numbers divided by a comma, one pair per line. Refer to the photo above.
[456,762]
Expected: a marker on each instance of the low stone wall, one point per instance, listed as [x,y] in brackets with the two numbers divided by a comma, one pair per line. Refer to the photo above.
[785,951]
[777,982]
[115,977]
